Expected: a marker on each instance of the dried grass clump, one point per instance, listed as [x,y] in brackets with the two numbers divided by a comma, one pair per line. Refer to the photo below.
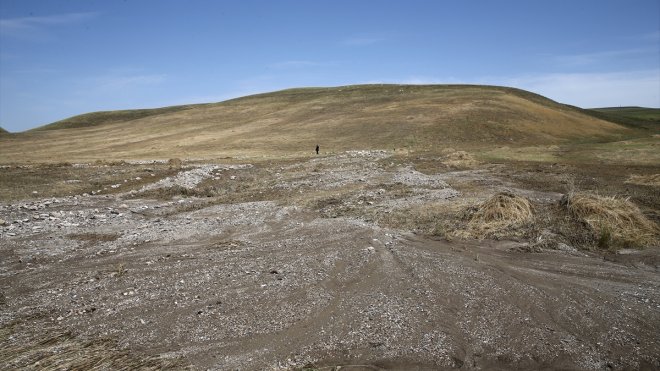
[650,180]
[616,222]
[65,352]
[500,213]
[174,163]
[110,163]
[460,159]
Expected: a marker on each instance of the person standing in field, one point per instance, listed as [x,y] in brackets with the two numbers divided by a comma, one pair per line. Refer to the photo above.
[317,149]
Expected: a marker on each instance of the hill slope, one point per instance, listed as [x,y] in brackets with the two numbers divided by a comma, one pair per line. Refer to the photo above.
[630,116]
[109,117]
[292,122]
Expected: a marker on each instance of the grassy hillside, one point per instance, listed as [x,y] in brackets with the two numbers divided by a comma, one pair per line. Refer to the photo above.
[630,116]
[109,117]
[292,122]
[3,131]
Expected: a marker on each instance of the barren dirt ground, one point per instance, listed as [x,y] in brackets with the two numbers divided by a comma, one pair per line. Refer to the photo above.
[301,264]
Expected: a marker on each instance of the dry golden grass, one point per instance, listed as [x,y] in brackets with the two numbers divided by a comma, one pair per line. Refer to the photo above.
[291,122]
[63,351]
[501,212]
[175,163]
[62,179]
[616,222]
[460,159]
[650,180]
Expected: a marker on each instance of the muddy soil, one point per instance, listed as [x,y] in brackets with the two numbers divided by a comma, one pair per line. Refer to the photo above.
[305,276]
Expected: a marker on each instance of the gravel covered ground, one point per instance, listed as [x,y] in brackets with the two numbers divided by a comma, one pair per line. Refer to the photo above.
[305,275]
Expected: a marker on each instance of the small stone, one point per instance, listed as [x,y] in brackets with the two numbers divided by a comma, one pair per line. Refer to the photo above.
[564,247]
[3,222]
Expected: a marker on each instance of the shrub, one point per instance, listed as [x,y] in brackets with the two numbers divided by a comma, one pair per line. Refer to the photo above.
[504,211]
[615,222]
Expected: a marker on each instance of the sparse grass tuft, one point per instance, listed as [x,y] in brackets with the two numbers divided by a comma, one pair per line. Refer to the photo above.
[615,222]
[120,271]
[174,163]
[64,351]
[94,237]
[650,180]
[460,159]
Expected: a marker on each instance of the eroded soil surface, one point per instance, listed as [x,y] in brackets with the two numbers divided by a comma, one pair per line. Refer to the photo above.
[301,265]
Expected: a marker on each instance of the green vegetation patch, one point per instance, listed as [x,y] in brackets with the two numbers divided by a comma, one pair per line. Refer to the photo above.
[109,117]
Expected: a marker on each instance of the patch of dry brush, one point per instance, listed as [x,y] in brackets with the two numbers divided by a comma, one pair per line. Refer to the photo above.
[503,212]
[459,159]
[650,180]
[63,351]
[615,222]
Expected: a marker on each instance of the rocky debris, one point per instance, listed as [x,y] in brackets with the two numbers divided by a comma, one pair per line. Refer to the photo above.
[191,178]
[261,285]
[412,177]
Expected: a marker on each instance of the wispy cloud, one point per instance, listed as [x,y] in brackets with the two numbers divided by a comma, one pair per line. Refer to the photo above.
[585,59]
[294,64]
[361,41]
[23,26]
[641,88]
[118,82]
[653,36]
[629,88]
[31,22]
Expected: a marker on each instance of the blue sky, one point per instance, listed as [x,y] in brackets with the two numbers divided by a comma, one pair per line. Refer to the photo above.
[62,58]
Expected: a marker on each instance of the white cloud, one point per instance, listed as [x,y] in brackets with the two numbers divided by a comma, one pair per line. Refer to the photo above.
[25,26]
[31,22]
[633,88]
[587,90]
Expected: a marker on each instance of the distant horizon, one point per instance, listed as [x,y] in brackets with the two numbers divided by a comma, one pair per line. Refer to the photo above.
[60,59]
[307,87]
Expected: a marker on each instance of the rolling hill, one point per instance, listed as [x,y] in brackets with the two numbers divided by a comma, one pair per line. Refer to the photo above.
[291,122]
[631,116]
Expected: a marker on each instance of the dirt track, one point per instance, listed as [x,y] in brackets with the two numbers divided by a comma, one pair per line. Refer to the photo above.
[272,284]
